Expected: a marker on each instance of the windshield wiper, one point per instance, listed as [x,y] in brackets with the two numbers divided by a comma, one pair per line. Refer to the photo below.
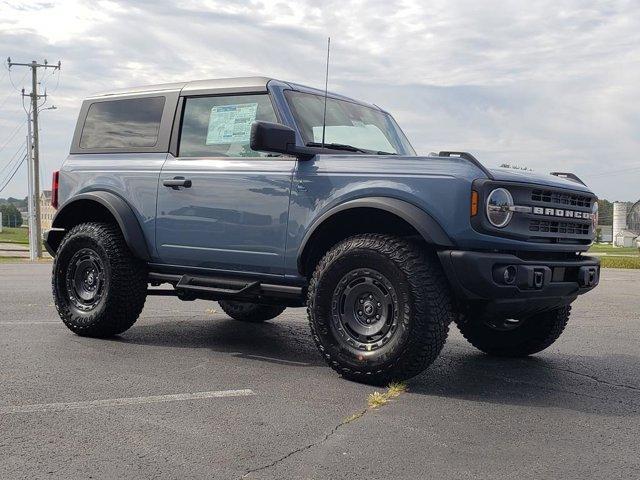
[337,146]
[349,148]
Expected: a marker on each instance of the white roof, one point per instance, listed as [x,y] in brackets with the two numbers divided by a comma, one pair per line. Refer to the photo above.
[195,87]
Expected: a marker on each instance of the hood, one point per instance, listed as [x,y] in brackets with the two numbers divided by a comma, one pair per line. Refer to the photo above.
[524,176]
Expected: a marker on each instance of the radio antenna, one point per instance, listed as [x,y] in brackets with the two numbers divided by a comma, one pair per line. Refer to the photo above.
[326,83]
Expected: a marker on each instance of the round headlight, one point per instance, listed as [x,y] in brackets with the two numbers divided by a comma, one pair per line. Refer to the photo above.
[594,215]
[499,212]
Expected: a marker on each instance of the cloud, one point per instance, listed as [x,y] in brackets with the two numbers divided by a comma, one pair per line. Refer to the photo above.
[550,85]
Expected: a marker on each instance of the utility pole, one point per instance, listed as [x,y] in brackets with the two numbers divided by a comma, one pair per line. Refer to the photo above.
[33,238]
[34,66]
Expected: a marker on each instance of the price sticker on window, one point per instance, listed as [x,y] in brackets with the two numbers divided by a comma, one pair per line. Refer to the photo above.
[231,123]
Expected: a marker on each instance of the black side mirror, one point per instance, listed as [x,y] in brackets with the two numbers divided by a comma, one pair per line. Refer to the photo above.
[275,137]
[272,137]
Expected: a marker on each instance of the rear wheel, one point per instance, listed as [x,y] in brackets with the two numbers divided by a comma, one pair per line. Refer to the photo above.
[250,312]
[512,337]
[99,288]
[379,308]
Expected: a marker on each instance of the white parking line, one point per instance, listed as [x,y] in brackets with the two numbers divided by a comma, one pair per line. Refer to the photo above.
[41,322]
[119,402]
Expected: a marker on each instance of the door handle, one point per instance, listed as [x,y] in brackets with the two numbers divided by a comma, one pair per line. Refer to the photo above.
[177,182]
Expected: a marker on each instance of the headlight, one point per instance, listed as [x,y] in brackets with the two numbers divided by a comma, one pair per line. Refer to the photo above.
[499,203]
[594,216]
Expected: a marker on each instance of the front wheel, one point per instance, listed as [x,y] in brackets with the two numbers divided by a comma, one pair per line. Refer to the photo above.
[379,308]
[99,288]
[513,337]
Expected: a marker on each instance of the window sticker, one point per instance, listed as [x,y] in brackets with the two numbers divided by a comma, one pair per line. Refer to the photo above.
[231,123]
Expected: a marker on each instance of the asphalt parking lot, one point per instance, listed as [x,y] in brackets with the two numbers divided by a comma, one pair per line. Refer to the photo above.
[189,393]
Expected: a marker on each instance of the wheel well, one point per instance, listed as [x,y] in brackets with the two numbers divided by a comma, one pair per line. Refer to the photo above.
[80,211]
[346,224]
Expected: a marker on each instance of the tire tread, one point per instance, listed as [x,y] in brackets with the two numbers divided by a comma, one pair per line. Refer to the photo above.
[432,308]
[128,283]
[546,329]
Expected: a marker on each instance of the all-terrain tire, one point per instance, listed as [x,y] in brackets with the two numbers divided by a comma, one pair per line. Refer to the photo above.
[118,279]
[250,312]
[534,335]
[419,305]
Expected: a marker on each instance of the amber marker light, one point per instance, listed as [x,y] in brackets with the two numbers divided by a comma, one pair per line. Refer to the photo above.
[474,203]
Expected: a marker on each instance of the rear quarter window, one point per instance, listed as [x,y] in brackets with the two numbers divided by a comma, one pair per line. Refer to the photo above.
[126,123]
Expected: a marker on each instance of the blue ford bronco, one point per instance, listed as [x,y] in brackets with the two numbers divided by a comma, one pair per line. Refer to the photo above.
[257,194]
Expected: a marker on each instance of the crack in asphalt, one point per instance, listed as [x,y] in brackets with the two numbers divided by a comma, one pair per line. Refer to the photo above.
[597,379]
[352,418]
[571,392]
[452,361]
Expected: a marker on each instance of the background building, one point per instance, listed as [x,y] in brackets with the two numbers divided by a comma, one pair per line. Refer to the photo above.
[606,233]
[625,238]
[46,210]
[626,224]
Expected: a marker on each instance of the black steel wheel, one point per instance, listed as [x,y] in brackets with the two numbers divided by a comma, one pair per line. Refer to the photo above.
[514,337]
[99,288]
[379,308]
[365,309]
[85,279]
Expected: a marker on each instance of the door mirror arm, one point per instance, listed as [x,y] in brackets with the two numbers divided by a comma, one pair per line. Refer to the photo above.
[279,138]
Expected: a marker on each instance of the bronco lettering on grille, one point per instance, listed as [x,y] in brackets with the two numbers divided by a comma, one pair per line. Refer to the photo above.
[559,212]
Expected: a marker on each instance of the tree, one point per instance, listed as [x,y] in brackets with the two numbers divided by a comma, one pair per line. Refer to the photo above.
[19,203]
[11,217]
[516,167]
[605,212]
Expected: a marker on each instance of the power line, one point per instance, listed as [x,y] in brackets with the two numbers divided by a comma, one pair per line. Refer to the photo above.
[8,71]
[4,100]
[14,173]
[45,82]
[612,172]
[21,80]
[19,126]
[20,149]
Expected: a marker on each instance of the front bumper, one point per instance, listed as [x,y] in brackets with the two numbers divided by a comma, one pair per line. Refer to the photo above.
[529,285]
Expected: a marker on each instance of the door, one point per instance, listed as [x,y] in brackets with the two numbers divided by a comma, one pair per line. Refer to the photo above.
[222,205]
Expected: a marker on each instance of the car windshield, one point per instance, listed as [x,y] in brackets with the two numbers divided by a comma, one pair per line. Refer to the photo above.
[349,126]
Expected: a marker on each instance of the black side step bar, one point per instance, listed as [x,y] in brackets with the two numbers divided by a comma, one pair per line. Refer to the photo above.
[204,284]
[214,288]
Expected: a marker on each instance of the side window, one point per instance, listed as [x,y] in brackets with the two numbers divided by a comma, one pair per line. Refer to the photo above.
[221,126]
[125,123]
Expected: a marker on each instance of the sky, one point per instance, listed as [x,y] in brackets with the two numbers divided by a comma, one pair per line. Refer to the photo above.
[547,85]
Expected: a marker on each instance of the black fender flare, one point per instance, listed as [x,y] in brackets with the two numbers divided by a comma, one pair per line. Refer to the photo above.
[424,224]
[117,207]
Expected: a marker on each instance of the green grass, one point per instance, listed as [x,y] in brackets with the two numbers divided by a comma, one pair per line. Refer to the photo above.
[617,257]
[23,260]
[377,399]
[14,235]
[606,248]
[620,262]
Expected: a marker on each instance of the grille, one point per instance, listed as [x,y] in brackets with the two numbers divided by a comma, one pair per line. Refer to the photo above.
[561,198]
[550,226]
